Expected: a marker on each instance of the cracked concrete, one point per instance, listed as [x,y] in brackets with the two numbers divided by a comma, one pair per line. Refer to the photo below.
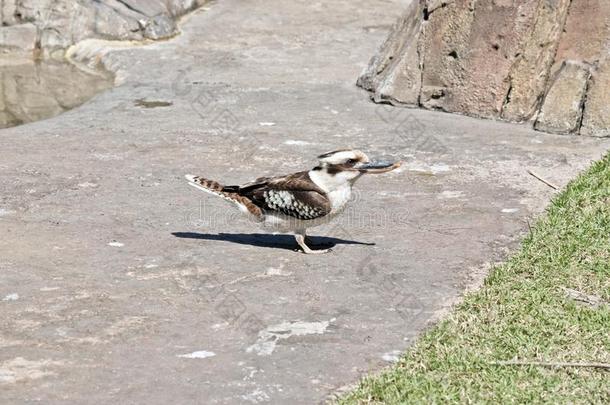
[121,283]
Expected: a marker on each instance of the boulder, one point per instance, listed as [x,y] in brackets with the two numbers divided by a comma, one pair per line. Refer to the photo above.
[468,50]
[62,23]
[7,13]
[529,74]
[596,118]
[496,59]
[115,21]
[394,74]
[561,112]
[149,8]
[586,32]
[160,27]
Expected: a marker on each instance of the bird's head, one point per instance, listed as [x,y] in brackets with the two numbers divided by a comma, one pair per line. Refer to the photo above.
[351,160]
[349,164]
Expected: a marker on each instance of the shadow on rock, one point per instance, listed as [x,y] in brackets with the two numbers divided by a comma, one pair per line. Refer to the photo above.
[270,241]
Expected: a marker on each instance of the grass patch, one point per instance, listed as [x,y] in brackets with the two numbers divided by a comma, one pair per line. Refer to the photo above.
[522,313]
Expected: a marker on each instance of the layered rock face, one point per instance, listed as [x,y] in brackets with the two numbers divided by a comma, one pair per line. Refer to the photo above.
[51,26]
[545,62]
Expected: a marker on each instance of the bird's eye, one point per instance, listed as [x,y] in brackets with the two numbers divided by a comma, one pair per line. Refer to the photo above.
[351,161]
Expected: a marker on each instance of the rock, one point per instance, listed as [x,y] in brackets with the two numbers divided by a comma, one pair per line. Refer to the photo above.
[62,23]
[116,22]
[7,13]
[491,59]
[562,109]
[149,8]
[394,73]
[596,118]
[160,27]
[451,56]
[530,72]
[181,7]
[468,50]
[585,38]
[20,37]
[586,32]
[433,97]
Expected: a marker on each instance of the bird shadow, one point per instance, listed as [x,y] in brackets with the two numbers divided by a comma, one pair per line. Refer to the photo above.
[270,241]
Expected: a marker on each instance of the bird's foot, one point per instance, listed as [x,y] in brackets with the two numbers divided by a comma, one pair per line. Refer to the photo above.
[306,249]
[317,251]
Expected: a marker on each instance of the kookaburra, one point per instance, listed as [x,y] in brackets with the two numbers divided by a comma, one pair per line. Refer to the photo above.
[296,202]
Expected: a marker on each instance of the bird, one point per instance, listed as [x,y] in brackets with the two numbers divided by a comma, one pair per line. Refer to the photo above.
[295,202]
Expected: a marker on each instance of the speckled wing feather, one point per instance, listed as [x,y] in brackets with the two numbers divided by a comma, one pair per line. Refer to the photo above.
[294,195]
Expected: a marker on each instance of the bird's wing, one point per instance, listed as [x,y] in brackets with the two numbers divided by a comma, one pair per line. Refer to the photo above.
[259,182]
[294,195]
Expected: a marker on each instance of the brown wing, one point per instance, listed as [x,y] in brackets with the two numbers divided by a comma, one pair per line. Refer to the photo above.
[294,195]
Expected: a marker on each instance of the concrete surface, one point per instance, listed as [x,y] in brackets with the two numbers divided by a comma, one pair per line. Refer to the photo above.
[118,282]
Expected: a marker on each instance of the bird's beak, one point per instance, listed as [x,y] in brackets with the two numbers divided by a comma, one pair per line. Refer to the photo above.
[377,167]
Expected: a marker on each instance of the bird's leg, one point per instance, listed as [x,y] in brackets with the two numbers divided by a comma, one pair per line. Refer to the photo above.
[300,237]
[307,238]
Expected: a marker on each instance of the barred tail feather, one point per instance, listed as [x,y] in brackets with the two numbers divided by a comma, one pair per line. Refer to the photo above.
[209,186]
[215,188]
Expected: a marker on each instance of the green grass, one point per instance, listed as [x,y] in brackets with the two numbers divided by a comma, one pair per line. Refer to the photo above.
[522,313]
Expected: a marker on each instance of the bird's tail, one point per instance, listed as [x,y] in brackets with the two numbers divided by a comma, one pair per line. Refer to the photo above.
[228,193]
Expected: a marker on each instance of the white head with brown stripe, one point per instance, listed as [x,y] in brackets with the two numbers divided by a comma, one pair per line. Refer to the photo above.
[342,168]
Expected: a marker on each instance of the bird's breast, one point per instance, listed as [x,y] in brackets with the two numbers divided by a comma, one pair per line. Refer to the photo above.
[339,198]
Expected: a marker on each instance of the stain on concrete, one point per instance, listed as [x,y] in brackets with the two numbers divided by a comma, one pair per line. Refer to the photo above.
[392,356]
[199,354]
[152,103]
[270,336]
[20,370]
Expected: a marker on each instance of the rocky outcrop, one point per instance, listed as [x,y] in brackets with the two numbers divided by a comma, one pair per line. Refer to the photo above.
[51,26]
[536,61]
